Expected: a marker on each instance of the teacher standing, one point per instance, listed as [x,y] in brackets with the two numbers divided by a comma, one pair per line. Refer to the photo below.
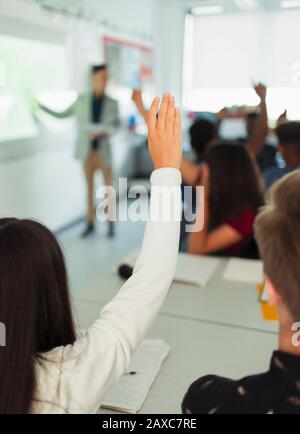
[98,118]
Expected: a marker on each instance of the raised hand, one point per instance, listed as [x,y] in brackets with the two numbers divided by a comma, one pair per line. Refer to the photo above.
[164,133]
[223,113]
[137,97]
[282,118]
[261,91]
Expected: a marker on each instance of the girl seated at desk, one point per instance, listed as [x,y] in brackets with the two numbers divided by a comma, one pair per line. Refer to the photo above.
[233,196]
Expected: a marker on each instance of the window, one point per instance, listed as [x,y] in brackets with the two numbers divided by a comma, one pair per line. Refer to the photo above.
[225,53]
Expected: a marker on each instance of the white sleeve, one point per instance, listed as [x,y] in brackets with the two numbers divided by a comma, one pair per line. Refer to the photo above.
[96,361]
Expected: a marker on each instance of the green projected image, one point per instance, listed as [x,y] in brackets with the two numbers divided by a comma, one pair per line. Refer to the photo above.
[28,69]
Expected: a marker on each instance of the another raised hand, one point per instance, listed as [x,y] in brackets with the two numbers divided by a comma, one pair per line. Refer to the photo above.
[282,119]
[137,98]
[261,91]
[258,139]
[164,133]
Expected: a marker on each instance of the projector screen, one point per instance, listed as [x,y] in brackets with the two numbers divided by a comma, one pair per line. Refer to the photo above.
[28,69]
[227,52]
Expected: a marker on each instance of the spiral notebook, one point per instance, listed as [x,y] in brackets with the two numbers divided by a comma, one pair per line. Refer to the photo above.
[130,392]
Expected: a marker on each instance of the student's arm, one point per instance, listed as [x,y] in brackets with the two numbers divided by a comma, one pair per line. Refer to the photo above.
[257,141]
[202,243]
[191,173]
[137,98]
[205,242]
[221,115]
[102,356]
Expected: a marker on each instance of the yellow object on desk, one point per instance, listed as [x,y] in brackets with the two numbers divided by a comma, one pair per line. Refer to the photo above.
[268,310]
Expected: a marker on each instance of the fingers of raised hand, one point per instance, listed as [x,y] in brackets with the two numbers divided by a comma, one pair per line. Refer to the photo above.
[177,123]
[162,114]
[152,116]
[170,117]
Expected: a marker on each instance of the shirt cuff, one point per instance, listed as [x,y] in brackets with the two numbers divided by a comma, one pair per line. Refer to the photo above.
[167,176]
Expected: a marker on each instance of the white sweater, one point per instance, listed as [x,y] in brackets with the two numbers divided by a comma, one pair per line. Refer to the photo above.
[74,379]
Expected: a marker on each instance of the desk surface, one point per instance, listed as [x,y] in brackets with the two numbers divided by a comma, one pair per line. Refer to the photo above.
[197,349]
[230,304]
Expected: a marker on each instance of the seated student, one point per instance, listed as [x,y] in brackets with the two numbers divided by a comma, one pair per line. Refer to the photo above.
[256,123]
[257,131]
[266,157]
[288,134]
[278,390]
[202,132]
[233,195]
[45,367]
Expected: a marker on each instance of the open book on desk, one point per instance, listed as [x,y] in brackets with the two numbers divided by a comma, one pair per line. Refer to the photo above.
[130,392]
[191,270]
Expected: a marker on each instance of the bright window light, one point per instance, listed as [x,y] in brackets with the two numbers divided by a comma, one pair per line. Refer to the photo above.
[286,4]
[213,100]
[219,72]
[246,4]
[207,10]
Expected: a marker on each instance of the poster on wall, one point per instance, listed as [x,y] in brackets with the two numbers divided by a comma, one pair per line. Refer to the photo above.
[130,64]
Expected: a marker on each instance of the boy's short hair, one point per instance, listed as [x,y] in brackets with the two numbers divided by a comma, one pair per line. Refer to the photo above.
[98,68]
[277,231]
[289,134]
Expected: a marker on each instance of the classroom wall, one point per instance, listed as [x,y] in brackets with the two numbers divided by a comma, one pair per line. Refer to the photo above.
[169,42]
[47,183]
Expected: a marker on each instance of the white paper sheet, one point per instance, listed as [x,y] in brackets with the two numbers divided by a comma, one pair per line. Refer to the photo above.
[244,270]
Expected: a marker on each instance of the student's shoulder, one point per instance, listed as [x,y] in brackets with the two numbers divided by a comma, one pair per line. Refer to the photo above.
[218,395]
[206,395]
[244,222]
[273,174]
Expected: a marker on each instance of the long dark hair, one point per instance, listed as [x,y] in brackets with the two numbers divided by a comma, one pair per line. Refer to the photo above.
[34,307]
[235,183]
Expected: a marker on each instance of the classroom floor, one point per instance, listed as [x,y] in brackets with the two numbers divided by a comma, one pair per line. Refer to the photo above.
[86,258]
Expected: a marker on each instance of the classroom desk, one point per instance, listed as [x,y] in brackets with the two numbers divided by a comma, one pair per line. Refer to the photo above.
[197,349]
[231,304]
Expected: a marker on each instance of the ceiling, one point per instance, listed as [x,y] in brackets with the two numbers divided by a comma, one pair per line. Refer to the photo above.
[228,6]
[236,5]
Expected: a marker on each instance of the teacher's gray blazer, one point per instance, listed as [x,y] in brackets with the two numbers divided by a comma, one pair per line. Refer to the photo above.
[110,120]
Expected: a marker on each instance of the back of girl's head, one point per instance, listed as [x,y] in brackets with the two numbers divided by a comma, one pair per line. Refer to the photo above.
[202,132]
[34,307]
[277,231]
[235,184]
